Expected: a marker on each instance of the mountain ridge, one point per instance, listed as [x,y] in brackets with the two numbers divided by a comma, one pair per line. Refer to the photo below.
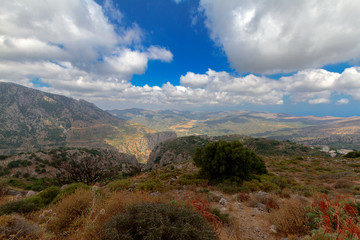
[31,120]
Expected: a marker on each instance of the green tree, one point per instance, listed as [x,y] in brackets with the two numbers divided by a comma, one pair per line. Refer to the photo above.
[223,160]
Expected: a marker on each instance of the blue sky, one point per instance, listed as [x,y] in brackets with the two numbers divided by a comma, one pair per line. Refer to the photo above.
[297,57]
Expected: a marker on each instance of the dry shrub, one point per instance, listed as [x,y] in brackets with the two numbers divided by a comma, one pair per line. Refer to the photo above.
[70,211]
[231,231]
[101,212]
[342,183]
[3,190]
[16,227]
[263,200]
[291,217]
[159,221]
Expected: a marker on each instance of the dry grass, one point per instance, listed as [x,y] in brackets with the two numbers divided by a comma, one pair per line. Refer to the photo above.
[291,217]
[102,210]
[232,231]
[16,227]
[70,211]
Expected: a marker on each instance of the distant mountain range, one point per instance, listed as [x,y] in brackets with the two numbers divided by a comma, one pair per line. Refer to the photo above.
[337,132]
[31,120]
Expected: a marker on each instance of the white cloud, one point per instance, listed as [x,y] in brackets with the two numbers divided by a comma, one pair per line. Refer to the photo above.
[343,101]
[283,36]
[77,33]
[319,101]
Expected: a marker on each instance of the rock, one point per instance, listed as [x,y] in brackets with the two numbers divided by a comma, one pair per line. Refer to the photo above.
[155,194]
[63,187]
[255,212]
[45,213]
[30,194]
[12,192]
[261,193]
[357,196]
[223,202]
[95,188]
[261,207]
[18,196]
[239,205]
[273,229]
[172,180]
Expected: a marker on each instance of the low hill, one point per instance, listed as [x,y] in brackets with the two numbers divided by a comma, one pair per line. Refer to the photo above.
[337,132]
[183,148]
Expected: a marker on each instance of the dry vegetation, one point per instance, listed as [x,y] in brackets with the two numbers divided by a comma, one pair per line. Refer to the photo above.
[302,197]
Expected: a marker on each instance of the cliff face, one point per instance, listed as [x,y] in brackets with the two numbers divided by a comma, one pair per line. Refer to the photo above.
[143,146]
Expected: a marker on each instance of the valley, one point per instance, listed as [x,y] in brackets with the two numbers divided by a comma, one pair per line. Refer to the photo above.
[68,170]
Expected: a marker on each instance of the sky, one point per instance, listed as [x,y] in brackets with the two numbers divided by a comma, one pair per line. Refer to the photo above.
[296,57]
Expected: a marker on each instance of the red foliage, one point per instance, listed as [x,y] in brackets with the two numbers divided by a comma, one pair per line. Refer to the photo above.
[203,207]
[338,217]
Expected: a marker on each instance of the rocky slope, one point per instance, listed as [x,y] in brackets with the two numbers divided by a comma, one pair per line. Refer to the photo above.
[32,120]
[54,163]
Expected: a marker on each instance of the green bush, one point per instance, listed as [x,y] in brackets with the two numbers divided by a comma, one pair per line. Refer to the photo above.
[153,221]
[45,197]
[18,206]
[151,186]
[354,154]
[70,189]
[192,179]
[120,184]
[223,160]
[32,203]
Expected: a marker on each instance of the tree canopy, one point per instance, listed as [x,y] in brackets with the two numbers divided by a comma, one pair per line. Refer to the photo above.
[223,160]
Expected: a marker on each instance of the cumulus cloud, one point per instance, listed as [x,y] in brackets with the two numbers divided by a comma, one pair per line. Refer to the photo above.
[73,49]
[71,43]
[343,101]
[283,36]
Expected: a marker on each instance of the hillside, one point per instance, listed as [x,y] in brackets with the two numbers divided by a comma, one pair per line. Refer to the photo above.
[69,164]
[337,132]
[183,148]
[31,120]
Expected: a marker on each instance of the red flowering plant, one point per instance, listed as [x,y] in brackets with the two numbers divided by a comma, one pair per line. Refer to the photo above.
[334,219]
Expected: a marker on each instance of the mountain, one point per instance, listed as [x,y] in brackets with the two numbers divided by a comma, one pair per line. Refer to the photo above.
[183,148]
[337,132]
[31,120]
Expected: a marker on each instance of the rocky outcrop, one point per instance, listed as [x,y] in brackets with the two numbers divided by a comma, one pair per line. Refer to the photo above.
[175,150]
[143,146]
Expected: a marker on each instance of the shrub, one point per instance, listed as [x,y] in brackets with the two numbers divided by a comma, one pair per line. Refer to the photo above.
[342,183]
[70,189]
[335,219]
[69,211]
[151,186]
[120,184]
[291,217]
[354,154]
[32,203]
[228,160]
[229,187]
[192,179]
[15,227]
[18,206]
[158,221]
[45,197]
